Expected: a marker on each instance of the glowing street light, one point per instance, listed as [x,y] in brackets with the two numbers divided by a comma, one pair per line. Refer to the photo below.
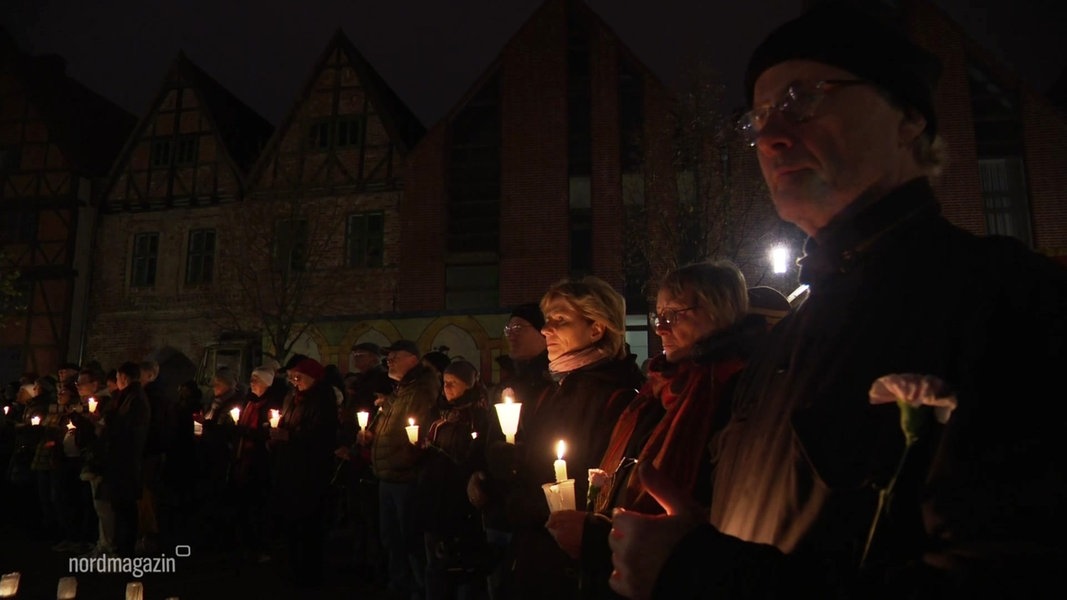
[780,256]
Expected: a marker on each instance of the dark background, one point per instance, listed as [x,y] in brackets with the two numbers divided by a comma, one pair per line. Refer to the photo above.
[431,51]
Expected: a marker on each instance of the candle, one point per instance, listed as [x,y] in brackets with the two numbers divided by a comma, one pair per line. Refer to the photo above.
[134,591]
[474,435]
[70,425]
[35,420]
[362,417]
[560,465]
[92,404]
[9,585]
[67,588]
[235,414]
[508,414]
[6,408]
[413,431]
[275,417]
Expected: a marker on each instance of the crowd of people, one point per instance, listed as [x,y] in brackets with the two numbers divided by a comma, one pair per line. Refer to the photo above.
[871,442]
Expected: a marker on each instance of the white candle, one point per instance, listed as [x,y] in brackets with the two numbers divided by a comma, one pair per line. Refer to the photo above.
[413,431]
[362,417]
[9,585]
[35,420]
[70,425]
[508,414]
[560,465]
[235,414]
[474,435]
[92,404]
[6,408]
[67,588]
[275,417]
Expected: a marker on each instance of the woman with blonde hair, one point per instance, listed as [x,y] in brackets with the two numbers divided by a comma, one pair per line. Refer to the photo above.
[595,380]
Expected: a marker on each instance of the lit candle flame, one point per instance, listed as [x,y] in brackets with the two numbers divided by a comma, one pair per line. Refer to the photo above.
[411,422]
[70,425]
[561,448]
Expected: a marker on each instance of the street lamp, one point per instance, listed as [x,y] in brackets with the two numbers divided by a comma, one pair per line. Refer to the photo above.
[780,256]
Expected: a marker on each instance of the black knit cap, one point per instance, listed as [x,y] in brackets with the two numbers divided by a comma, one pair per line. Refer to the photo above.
[858,38]
[531,313]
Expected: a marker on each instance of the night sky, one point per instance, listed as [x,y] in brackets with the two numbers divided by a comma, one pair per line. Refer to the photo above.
[431,51]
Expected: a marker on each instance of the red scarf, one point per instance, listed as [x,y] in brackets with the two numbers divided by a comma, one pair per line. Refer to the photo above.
[691,393]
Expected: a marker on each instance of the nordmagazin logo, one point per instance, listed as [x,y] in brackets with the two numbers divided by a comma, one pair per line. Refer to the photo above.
[136,566]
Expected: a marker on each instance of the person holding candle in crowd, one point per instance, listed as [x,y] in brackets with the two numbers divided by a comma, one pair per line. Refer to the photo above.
[585,335]
[303,446]
[844,125]
[455,442]
[250,473]
[701,319]
[529,383]
[395,462]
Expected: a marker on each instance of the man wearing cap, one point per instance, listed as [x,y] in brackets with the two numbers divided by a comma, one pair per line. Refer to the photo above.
[844,127]
[394,458]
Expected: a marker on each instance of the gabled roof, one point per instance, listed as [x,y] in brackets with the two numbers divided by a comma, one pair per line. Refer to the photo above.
[88,128]
[403,127]
[572,8]
[241,131]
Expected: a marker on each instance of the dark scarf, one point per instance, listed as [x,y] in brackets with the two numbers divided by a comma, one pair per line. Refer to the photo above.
[689,393]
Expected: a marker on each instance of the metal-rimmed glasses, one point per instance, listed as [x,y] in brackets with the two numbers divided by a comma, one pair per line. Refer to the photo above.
[797,104]
[514,329]
[665,318]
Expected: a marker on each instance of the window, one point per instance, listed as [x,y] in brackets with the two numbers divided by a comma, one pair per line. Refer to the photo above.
[200,259]
[290,244]
[349,131]
[340,133]
[365,239]
[143,263]
[161,152]
[185,149]
[319,136]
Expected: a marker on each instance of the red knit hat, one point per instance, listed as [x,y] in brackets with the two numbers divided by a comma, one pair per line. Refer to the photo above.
[310,367]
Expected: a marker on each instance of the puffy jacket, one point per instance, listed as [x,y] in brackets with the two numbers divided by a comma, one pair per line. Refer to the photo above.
[393,457]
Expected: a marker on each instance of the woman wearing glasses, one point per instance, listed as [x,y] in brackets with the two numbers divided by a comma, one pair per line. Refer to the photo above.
[700,318]
[595,380]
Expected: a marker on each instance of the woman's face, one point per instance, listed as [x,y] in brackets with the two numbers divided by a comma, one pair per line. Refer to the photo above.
[257,385]
[301,381]
[454,387]
[689,323]
[567,330]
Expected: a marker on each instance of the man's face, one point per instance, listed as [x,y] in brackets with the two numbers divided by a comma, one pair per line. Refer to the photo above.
[524,340]
[854,143]
[121,381]
[67,374]
[363,360]
[86,385]
[400,363]
[219,387]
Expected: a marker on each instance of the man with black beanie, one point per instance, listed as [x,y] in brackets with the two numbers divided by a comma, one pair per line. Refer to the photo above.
[884,441]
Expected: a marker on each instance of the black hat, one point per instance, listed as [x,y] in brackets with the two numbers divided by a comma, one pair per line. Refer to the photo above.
[868,45]
[531,313]
[465,371]
[402,346]
[367,347]
[439,360]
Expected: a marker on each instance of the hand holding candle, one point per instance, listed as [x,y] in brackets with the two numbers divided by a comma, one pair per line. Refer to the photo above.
[275,417]
[413,431]
[92,404]
[508,413]
[560,465]
[362,417]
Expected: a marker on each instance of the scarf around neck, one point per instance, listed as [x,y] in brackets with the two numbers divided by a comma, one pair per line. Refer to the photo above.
[574,360]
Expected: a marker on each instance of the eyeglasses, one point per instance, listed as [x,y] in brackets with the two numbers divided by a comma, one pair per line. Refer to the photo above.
[666,318]
[797,104]
[512,329]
